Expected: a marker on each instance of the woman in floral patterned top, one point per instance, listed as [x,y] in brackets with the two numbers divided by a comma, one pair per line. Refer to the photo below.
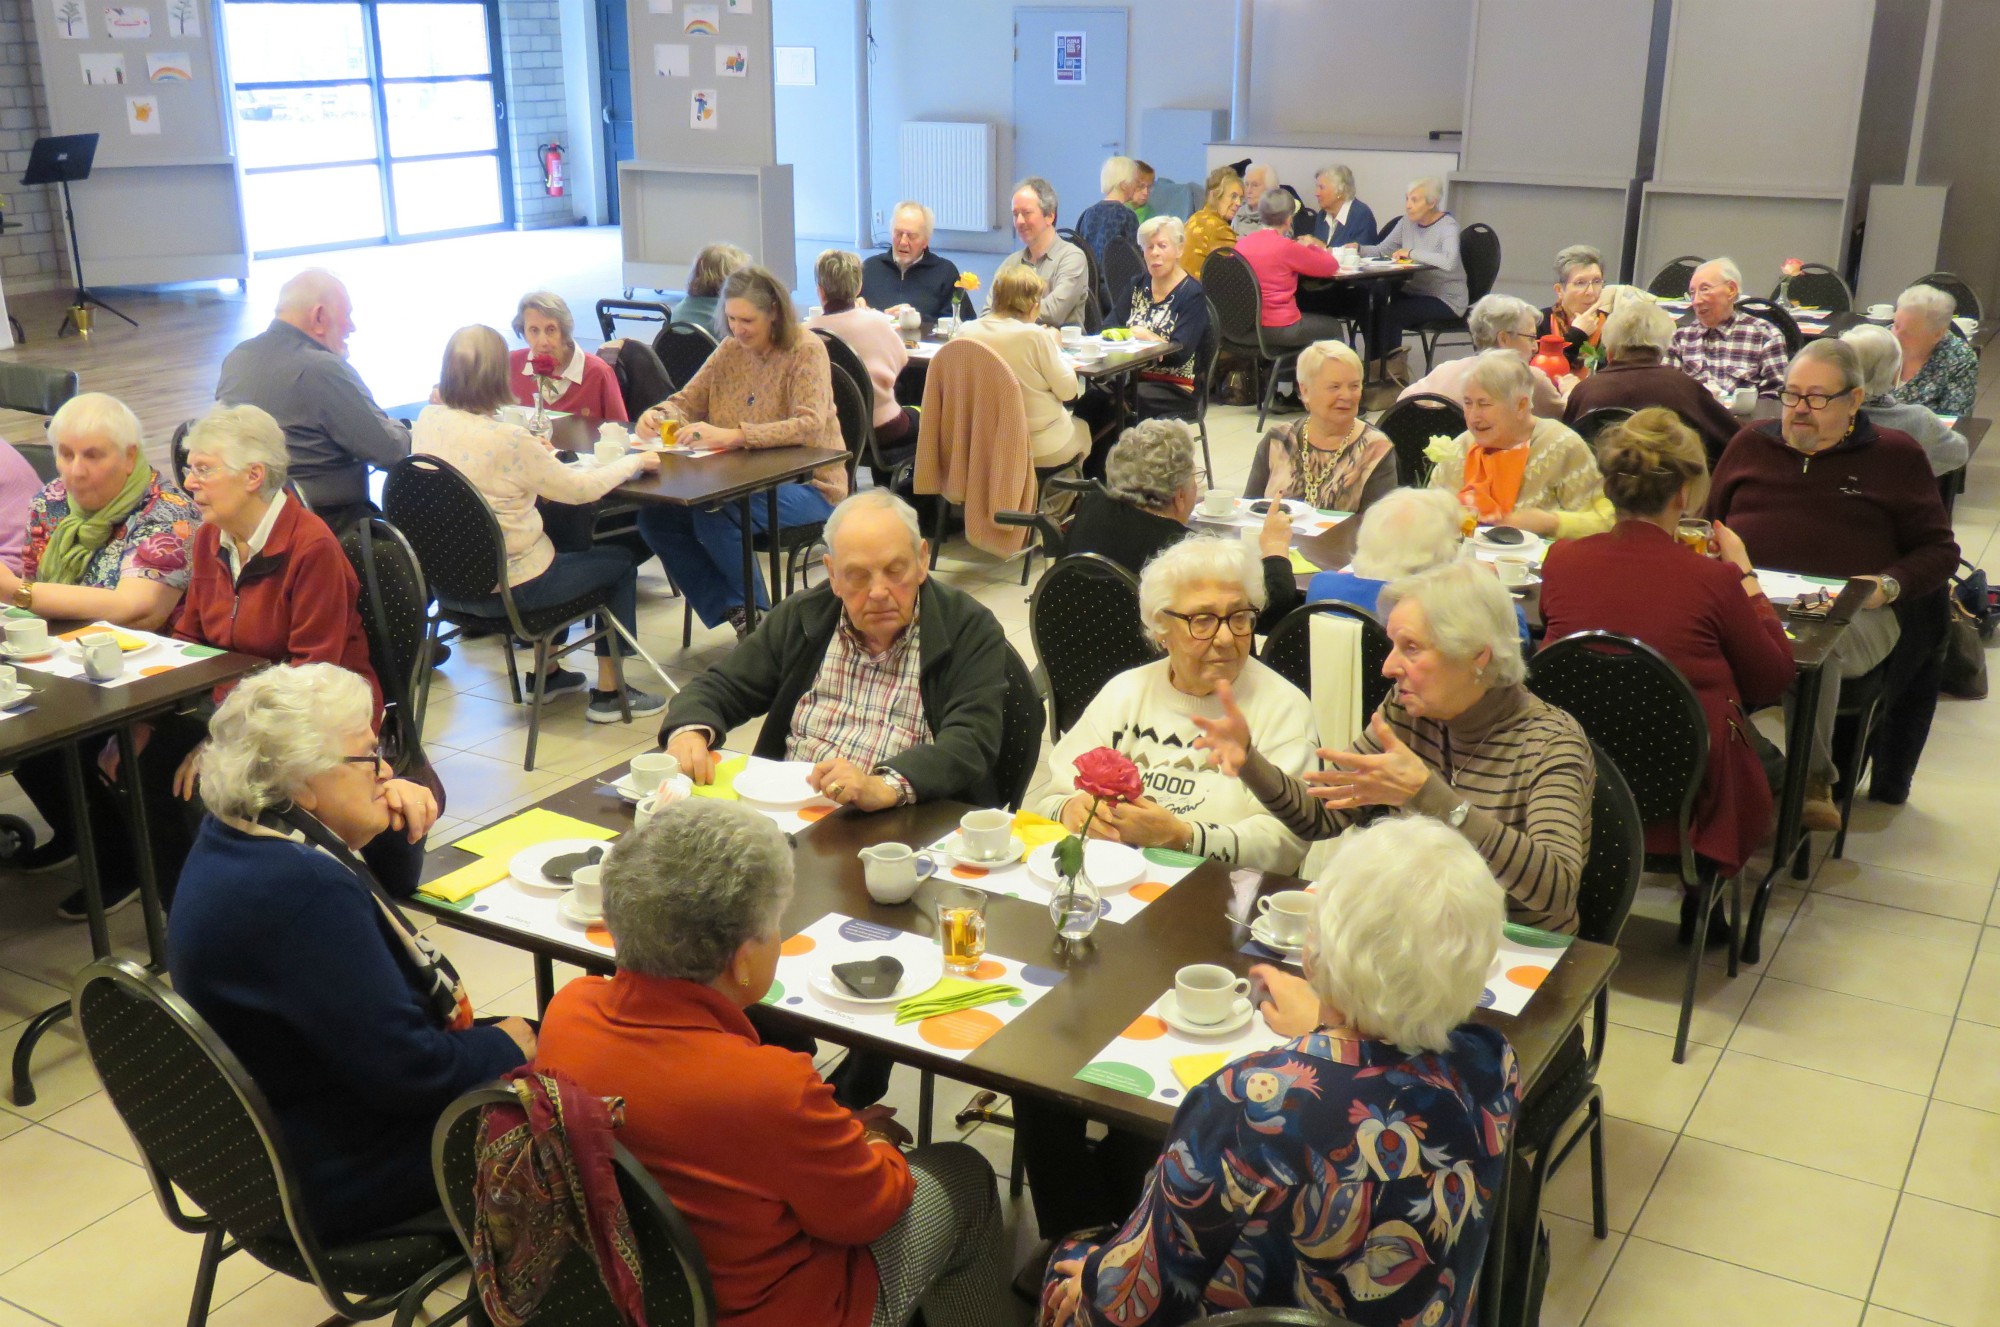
[1355,1168]
[1940,369]
[1332,459]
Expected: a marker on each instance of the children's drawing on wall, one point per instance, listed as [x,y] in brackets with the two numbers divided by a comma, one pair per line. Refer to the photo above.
[701,109]
[732,61]
[103,70]
[142,115]
[130,22]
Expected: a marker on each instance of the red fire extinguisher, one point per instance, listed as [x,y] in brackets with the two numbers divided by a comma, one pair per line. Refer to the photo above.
[552,169]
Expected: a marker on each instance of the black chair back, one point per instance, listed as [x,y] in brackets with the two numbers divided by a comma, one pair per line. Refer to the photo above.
[1094,300]
[1819,287]
[41,458]
[611,311]
[395,613]
[1084,620]
[1638,709]
[1617,857]
[683,348]
[1671,281]
[35,389]
[857,426]
[177,457]
[1779,317]
[843,357]
[1479,251]
[643,381]
[1593,422]
[1411,424]
[457,540]
[1123,265]
[673,1274]
[1288,649]
[1020,732]
[1232,292]
[1954,286]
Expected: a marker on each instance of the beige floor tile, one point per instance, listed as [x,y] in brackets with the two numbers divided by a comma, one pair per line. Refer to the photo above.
[10,1123]
[456,722]
[1642,1083]
[1945,831]
[61,1071]
[14,1316]
[573,748]
[54,951]
[1843,1034]
[275,1301]
[1958,1158]
[1721,1203]
[1891,954]
[155,1267]
[1981,1002]
[1941,1263]
[1877,1316]
[487,967]
[1646,994]
[1578,1264]
[55,1187]
[1902,889]
[96,1121]
[1657,1286]
[1633,1155]
[23,997]
[475,785]
[1971,1072]
[1813,1119]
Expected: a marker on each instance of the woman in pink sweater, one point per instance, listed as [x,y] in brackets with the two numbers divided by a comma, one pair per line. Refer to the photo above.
[875,341]
[553,364]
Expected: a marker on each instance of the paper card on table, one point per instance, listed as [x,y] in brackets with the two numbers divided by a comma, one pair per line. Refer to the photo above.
[466,880]
[537,825]
[1785,586]
[1193,1069]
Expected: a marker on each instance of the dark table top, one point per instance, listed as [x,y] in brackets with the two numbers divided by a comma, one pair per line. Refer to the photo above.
[699,481]
[1400,272]
[1127,356]
[1107,985]
[66,708]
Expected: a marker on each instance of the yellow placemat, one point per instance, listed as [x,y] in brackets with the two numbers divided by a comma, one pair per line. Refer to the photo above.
[1194,1069]
[466,880]
[724,785]
[1035,830]
[526,830]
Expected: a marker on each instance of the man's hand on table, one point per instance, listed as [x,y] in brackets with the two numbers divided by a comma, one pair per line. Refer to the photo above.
[843,781]
[690,747]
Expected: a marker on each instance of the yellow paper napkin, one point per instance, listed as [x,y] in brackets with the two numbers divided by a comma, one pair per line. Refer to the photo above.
[1194,1069]
[526,830]
[1034,830]
[952,994]
[1301,565]
[466,880]
[724,786]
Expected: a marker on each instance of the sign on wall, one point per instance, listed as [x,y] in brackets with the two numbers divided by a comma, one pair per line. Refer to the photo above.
[1069,57]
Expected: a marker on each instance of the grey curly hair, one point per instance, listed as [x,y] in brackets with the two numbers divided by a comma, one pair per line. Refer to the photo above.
[1151,463]
[278,729]
[1467,611]
[682,894]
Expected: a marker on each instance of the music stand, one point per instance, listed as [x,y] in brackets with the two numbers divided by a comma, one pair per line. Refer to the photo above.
[59,160]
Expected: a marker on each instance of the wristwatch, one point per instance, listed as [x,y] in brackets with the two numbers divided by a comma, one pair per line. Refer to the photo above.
[1891,588]
[1456,816]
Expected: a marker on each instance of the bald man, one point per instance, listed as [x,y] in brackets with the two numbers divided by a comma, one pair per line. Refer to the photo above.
[297,370]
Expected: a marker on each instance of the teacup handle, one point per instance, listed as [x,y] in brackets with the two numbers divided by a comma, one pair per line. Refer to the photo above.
[1264,904]
[1241,986]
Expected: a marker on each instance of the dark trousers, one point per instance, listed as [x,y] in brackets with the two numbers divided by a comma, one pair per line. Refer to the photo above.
[1162,400]
[1397,315]
[1077,1183]
[572,576]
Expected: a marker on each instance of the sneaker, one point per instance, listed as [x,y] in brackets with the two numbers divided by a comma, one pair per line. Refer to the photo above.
[560,682]
[739,620]
[604,705]
[72,909]
[44,857]
[1820,813]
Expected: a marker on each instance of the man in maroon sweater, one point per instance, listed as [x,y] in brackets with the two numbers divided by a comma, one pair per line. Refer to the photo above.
[1830,494]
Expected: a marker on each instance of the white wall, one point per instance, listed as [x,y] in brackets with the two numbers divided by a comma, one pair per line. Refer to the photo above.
[817,126]
[583,100]
[1353,66]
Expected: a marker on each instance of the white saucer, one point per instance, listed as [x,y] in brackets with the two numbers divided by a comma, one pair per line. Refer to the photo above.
[1260,932]
[566,905]
[919,974]
[776,782]
[1522,587]
[526,865]
[629,792]
[1015,850]
[7,648]
[1531,543]
[1109,865]
[1169,1010]
[21,692]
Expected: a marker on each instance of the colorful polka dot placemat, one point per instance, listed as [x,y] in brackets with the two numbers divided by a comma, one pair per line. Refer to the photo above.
[1153,1060]
[1164,869]
[1519,968]
[145,654]
[836,938]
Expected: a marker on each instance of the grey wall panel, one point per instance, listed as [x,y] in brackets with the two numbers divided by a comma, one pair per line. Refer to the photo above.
[1523,48]
[1759,233]
[1349,66]
[1534,221]
[744,133]
[141,225]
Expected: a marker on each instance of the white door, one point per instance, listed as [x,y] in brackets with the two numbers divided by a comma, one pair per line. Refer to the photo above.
[1069,100]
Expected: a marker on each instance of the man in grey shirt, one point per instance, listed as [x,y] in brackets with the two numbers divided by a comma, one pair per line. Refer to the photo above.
[297,370]
[1058,262]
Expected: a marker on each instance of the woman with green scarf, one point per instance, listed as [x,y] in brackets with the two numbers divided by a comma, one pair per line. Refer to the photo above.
[108,540]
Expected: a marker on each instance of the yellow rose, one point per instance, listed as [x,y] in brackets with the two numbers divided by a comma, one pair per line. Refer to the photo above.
[1441,447]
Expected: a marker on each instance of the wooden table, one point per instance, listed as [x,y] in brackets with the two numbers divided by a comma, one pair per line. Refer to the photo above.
[66,712]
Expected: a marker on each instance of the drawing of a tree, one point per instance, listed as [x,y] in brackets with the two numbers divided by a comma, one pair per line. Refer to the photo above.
[179,14]
[69,14]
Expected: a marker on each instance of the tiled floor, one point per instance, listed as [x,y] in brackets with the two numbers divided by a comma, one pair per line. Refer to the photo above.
[1829,1154]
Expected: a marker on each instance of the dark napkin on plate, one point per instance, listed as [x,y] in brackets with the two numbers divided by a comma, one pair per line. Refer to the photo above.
[871,979]
[562,868]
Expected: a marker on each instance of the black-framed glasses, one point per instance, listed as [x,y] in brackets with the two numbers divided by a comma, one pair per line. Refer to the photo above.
[1203,626]
[379,758]
[1814,400]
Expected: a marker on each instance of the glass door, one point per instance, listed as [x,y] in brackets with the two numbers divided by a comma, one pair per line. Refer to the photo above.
[369,122]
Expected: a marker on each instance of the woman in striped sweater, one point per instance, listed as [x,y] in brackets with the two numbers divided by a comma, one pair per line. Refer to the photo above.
[1459,739]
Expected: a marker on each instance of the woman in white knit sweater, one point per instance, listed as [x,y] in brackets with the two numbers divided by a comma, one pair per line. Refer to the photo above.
[1199,598]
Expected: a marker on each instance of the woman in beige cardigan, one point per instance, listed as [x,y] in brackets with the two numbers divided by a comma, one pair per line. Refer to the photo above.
[1034,354]
[1514,469]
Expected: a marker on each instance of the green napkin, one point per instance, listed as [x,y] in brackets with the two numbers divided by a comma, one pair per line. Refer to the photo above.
[951,995]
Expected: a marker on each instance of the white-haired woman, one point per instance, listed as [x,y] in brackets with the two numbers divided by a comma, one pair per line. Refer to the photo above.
[1940,369]
[1428,234]
[1332,458]
[875,342]
[553,366]
[1409,531]
[1497,322]
[1405,923]
[356,1029]
[1514,469]
[107,541]
[1576,314]
[1164,304]
[1636,375]
[1459,738]
[806,1212]
[1111,220]
[1881,357]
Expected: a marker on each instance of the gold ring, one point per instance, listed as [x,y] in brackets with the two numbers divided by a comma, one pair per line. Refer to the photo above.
[833,790]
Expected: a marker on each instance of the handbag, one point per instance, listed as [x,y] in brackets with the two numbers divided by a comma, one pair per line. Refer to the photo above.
[1969,590]
[1964,672]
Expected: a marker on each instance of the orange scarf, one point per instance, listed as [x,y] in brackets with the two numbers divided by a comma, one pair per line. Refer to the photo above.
[1493,480]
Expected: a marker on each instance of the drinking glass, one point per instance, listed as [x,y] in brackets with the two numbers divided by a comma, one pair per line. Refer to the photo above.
[962,929]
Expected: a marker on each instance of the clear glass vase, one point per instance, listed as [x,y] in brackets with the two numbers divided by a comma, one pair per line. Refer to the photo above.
[1075,908]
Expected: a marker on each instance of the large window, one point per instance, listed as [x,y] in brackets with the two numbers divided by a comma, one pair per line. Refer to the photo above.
[367,122]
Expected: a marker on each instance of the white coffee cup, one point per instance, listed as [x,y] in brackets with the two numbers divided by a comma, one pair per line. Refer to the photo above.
[816,311]
[891,871]
[650,767]
[1966,325]
[516,414]
[944,328]
[986,834]
[1286,914]
[1207,993]
[1745,400]
[1072,334]
[1514,570]
[1218,502]
[10,680]
[27,635]
[102,659]
[1881,311]
[587,889]
[609,450]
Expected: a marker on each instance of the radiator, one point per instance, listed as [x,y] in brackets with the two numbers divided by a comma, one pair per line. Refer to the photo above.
[949,168]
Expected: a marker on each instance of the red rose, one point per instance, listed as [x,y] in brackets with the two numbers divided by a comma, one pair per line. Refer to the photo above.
[1105,774]
[543,365]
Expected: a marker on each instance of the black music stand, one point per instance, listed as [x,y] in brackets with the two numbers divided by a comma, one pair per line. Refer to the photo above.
[59,160]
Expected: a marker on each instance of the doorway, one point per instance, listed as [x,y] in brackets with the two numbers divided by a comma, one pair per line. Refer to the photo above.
[367,121]
[614,50]
[1069,100]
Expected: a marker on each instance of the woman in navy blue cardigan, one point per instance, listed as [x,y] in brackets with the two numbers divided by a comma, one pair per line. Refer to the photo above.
[356,1029]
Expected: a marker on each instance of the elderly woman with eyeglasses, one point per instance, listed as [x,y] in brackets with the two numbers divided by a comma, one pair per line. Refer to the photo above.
[1292,1176]
[1497,322]
[358,1032]
[1512,468]
[553,367]
[1940,368]
[1459,738]
[1575,315]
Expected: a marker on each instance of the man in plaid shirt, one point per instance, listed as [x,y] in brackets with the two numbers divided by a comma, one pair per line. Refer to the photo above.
[1723,349]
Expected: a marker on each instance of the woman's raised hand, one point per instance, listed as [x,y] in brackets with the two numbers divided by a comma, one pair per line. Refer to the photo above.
[1227,740]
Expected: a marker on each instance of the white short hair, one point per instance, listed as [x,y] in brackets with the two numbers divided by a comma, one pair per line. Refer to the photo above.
[1405,531]
[1637,324]
[278,729]
[1503,373]
[96,415]
[874,499]
[1201,557]
[1262,170]
[1936,305]
[1342,177]
[1176,229]
[1881,356]
[1467,610]
[308,290]
[240,436]
[1495,314]
[1117,173]
[1725,268]
[924,214]
[1406,922]
[1430,186]
[1321,353]
[1574,258]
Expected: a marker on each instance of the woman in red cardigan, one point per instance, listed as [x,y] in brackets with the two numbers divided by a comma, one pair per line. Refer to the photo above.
[1706,614]
[553,363]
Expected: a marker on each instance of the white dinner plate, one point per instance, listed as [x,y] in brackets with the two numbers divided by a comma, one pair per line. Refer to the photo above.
[526,865]
[919,973]
[1109,865]
[776,782]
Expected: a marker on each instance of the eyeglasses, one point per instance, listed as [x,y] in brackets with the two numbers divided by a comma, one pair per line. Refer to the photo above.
[1587,283]
[206,471]
[1813,400]
[1203,626]
[379,758]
